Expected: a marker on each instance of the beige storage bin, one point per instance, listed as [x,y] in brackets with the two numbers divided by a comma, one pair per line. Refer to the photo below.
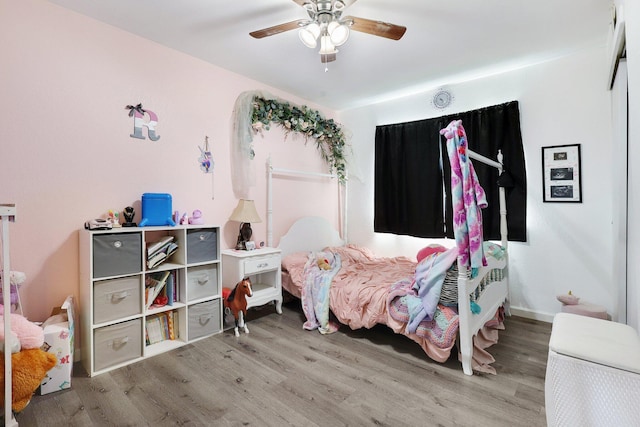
[116,298]
[204,319]
[117,343]
[202,281]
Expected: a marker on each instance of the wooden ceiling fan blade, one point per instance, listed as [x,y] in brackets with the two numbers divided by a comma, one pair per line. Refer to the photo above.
[276,29]
[377,28]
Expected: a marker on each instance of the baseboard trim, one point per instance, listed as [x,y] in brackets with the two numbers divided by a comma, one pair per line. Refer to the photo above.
[530,314]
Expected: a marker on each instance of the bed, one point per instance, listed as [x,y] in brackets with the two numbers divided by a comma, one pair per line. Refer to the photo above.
[365,287]
[340,283]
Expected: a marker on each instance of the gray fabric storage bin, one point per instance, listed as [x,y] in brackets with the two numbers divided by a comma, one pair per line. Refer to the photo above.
[202,245]
[116,298]
[117,254]
[117,343]
[204,319]
[202,281]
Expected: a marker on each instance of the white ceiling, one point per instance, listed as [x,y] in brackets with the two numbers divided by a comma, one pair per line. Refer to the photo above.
[447,41]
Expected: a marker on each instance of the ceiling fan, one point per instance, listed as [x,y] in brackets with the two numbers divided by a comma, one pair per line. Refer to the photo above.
[327,25]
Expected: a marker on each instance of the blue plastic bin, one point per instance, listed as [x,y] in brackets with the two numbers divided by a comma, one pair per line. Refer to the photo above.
[156,209]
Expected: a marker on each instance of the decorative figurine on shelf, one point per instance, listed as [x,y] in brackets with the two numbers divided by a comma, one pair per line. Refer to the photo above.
[113,219]
[128,214]
[196,218]
[185,219]
[236,302]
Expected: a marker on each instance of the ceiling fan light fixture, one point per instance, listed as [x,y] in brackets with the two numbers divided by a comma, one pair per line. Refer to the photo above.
[326,46]
[309,35]
[328,28]
[338,32]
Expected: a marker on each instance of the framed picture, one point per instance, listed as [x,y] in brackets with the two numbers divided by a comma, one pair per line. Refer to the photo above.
[561,174]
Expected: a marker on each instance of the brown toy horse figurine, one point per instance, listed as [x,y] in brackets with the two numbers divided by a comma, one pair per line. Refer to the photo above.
[237,303]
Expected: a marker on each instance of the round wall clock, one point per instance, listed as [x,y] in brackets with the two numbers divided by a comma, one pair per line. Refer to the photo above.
[442,98]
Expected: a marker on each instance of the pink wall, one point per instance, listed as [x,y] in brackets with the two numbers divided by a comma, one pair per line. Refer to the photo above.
[66,155]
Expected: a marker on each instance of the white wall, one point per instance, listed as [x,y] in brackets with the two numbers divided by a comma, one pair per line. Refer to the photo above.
[569,245]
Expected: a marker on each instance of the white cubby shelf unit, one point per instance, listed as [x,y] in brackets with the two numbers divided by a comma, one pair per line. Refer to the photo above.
[117,327]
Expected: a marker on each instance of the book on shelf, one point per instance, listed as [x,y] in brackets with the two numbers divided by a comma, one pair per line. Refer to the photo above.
[169,290]
[160,251]
[160,327]
[154,283]
[154,330]
[174,324]
[156,260]
[169,322]
[154,247]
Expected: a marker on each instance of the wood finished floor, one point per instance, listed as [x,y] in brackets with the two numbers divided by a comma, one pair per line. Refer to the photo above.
[281,375]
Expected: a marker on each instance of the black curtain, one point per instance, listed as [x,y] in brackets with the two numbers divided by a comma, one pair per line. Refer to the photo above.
[488,130]
[407,173]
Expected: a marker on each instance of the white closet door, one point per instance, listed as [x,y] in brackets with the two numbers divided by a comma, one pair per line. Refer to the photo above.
[620,186]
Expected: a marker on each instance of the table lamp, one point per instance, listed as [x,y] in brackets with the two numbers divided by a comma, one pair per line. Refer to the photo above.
[245,213]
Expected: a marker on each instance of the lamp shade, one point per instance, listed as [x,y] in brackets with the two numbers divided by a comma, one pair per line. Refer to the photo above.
[309,35]
[245,212]
[326,47]
[338,32]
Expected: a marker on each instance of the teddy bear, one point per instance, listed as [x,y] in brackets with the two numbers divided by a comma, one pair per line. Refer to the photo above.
[323,263]
[28,368]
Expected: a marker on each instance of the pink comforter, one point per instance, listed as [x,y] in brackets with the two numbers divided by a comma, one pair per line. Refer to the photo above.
[360,290]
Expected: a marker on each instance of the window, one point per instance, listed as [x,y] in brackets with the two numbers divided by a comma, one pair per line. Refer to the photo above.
[412,189]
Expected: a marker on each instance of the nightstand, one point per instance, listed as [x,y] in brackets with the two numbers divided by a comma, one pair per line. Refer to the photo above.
[262,266]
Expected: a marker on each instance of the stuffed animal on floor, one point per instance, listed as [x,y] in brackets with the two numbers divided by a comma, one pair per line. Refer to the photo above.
[29,334]
[29,363]
[28,368]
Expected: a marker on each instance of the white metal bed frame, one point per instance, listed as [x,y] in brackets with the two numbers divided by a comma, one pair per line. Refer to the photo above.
[290,172]
[491,298]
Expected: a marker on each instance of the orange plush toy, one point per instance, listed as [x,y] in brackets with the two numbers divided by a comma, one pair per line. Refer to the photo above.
[29,367]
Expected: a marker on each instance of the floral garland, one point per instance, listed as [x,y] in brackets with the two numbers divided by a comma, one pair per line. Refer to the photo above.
[329,137]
